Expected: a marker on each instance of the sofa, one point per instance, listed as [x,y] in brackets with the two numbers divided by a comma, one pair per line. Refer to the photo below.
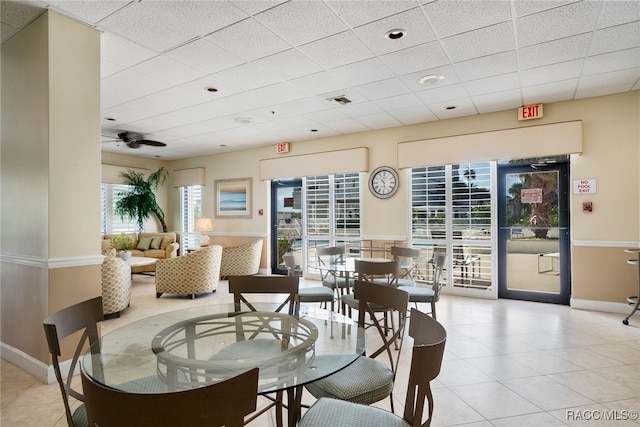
[116,283]
[191,274]
[243,260]
[153,245]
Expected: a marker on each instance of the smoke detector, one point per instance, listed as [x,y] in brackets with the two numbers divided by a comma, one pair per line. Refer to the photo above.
[339,100]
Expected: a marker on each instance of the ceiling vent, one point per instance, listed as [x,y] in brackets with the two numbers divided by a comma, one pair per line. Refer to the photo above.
[340,100]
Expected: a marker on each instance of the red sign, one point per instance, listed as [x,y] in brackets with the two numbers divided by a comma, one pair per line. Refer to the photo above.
[529,112]
[283,147]
[532,195]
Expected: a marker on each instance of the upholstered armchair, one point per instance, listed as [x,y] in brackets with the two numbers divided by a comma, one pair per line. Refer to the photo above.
[241,260]
[116,284]
[190,274]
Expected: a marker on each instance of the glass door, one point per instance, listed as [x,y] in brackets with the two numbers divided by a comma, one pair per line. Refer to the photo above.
[286,223]
[533,236]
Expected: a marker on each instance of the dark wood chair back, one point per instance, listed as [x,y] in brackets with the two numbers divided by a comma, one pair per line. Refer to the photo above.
[386,272]
[239,286]
[224,403]
[83,317]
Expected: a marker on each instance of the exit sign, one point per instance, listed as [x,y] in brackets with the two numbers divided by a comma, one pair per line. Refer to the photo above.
[282,147]
[529,112]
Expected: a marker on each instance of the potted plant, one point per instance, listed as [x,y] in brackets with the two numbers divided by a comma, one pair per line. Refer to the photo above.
[123,242]
[139,201]
[285,245]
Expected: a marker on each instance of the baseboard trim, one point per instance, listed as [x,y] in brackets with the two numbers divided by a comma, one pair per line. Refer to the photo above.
[32,366]
[605,306]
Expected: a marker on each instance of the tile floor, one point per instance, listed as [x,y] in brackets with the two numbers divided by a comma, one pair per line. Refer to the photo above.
[507,363]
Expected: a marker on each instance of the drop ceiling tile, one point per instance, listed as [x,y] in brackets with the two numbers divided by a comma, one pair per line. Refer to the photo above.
[248,40]
[128,85]
[367,71]
[355,111]
[600,91]
[15,15]
[464,107]
[337,50]
[383,89]
[322,82]
[618,12]
[411,80]
[555,51]
[551,73]
[108,68]
[204,56]
[195,92]
[206,111]
[253,7]
[380,120]
[328,115]
[616,38]
[360,12]
[622,78]
[168,70]
[7,30]
[414,115]
[154,104]
[180,22]
[416,58]
[498,101]
[493,84]
[495,39]
[557,23]
[347,126]
[120,51]
[486,66]
[246,76]
[125,113]
[442,94]
[299,107]
[417,31]
[289,64]
[301,22]
[454,17]
[88,11]
[550,92]
[279,93]
[246,101]
[399,102]
[614,61]
[522,8]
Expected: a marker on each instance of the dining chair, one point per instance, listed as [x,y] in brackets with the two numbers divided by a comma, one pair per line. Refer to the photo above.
[429,295]
[325,256]
[190,274]
[240,286]
[382,273]
[82,317]
[224,403]
[320,294]
[429,338]
[368,380]
[408,260]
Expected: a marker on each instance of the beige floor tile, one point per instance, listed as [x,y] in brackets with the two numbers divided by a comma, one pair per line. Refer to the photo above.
[546,393]
[494,400]
[594,386]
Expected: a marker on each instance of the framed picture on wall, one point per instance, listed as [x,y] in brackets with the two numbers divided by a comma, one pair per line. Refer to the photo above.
[233,198]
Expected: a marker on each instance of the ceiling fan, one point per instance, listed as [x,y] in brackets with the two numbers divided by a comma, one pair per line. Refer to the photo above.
[135,140]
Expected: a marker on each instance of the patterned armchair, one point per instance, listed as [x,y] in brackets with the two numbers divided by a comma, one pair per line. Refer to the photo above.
[241,260]
[190,274]
[116,284]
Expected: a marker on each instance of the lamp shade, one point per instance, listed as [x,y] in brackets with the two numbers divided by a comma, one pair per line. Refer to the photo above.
[203,225]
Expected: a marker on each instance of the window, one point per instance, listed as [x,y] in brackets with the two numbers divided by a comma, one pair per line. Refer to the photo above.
[452,210]
[190,211]
[112,223]
[332,211]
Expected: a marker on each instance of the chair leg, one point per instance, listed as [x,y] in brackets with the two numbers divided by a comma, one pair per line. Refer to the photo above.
[158,294]
[193,296]
[433,310]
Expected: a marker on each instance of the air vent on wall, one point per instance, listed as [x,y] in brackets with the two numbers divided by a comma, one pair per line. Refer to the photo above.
[339,100]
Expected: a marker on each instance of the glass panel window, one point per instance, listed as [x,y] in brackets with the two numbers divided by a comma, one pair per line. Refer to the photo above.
[112,223]
[190,211]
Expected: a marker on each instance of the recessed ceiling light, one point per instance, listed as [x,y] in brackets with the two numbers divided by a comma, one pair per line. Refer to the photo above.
[450,107]
[223,145]
[111,119]
[395,34]
[243,120]
[211,89]
[314,130]
[431,79]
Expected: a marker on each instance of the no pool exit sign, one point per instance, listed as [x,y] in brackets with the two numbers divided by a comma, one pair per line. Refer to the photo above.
[529,112]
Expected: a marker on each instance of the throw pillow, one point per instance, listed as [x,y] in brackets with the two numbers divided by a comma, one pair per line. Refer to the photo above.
[166,242]
[143,244]
[155,242]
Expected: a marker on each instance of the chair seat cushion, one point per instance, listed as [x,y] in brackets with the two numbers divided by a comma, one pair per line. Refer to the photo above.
[350,300]
[364,381]
[339,282]
[332,413]
[315,294]
[418,294]
[79,416]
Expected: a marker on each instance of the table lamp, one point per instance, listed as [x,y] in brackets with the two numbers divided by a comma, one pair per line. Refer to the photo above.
[203,225]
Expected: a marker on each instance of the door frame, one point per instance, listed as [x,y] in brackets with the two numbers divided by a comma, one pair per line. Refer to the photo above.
[275,185]
[504,232]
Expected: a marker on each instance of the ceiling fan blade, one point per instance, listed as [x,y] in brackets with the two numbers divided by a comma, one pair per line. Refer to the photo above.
[153,143]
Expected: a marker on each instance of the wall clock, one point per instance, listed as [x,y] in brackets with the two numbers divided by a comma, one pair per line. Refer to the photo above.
[383,182]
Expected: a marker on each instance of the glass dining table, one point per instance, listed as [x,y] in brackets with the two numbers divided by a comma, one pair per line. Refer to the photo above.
[195,346]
